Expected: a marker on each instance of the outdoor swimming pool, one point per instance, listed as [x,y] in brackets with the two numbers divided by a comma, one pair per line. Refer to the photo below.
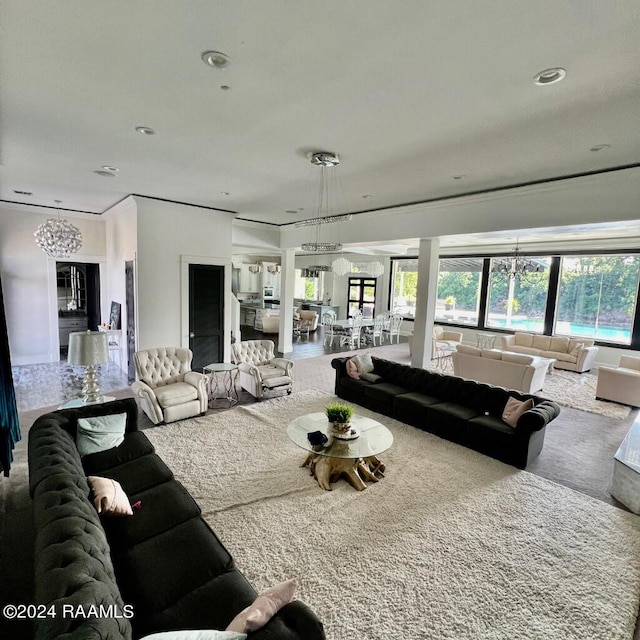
[607,334]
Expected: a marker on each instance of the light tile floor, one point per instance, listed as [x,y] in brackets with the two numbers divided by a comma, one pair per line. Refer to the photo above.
[52,383]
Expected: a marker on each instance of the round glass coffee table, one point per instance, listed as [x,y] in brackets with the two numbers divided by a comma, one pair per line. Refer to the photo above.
[355,460]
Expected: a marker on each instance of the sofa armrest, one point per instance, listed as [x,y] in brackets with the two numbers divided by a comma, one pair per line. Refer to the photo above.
[145,393]
[195,379]
[250,369]
[538,417]
[586,358]
[283,363]
[507,341]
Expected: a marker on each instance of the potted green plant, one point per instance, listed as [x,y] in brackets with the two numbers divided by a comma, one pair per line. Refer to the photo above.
[339,415]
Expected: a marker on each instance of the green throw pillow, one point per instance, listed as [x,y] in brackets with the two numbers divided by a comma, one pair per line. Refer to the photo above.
[100,433]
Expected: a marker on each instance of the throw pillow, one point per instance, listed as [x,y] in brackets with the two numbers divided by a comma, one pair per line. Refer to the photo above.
[100,433]
[193,634]
[109,498]
[371,377]
[264,607]
[364,363]
[514,409]
[577,348]
[352,369]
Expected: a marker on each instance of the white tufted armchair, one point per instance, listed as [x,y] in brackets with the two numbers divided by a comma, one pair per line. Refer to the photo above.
[167,387]
[260,369]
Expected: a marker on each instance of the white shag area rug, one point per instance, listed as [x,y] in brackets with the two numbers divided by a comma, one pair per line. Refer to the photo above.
[450,545]
[578,391]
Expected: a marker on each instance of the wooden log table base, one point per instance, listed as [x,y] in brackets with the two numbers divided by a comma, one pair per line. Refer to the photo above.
[356,471]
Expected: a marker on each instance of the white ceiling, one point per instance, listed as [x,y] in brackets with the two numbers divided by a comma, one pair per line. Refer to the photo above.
[407,93]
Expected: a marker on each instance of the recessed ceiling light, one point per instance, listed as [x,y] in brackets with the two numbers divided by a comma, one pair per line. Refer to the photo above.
[225,193]
[225,87]
[367,195]
[460,176]
[549,76]
[106,167]
[23,193]
[600,147]
[216,59]
[290,211]
[105,174]
[147,131]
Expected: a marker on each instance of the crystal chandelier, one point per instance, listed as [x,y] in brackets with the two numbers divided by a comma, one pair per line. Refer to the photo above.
[58,238]
[324,160]
[273,269]
[517,266]
[341,266]
[254,268]
[375,268]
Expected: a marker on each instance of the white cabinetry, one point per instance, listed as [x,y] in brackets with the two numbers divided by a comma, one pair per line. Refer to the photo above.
[271,280]
[249,282]
[69,324]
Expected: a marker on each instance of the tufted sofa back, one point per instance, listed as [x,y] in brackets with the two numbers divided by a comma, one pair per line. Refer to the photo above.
[164,365]
[255,352]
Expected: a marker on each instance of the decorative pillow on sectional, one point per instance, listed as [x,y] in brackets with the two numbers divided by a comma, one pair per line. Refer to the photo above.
[100,433]
[352,369]
[514,409]
[364,363]
[264,607]
[576,349]
[109,498]
[371,377]
[193,634]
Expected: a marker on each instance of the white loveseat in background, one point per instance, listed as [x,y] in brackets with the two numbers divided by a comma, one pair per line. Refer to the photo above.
[504,369]
[573,354]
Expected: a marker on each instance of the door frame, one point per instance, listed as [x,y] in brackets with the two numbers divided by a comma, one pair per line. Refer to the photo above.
[185,261]
[54,336]
[355,276]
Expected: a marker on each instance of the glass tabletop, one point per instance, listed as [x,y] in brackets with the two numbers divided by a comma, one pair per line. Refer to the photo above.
[220,366]
[374,438]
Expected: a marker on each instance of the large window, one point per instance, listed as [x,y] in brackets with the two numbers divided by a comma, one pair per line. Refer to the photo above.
[597,297]
[518,300]
[458,298]
[404,287]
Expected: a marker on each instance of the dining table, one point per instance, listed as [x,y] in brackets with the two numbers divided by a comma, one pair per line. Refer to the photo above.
[348,323]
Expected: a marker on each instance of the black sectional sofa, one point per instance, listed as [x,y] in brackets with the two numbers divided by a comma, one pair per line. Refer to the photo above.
[460,410]
[164,562]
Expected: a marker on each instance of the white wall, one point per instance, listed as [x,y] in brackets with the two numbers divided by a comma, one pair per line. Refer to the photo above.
[28,280]
[168,235]
[121,241]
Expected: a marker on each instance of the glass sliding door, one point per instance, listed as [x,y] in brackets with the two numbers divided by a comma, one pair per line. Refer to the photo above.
[361,295]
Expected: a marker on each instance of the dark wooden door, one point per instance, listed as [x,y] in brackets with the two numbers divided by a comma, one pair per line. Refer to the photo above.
[131,318]
[206,318]
[361,295]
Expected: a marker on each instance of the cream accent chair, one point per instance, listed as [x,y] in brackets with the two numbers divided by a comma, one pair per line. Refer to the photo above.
[310,319]
[446,338]
[620,384]
[271,321]
[167,388]
[259,369]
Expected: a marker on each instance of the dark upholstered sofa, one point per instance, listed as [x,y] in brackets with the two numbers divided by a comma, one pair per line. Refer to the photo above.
[460,410]
[163,562]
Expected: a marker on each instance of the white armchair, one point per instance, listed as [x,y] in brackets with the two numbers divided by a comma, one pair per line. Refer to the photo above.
[620,384]
[167,388]
[259,369]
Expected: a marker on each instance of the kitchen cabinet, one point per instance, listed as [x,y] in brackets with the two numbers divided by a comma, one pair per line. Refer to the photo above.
[271,280]
[321,309]
[69,324]
[249,282]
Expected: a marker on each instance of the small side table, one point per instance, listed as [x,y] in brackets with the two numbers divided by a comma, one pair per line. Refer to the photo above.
[486,340]
[227,385]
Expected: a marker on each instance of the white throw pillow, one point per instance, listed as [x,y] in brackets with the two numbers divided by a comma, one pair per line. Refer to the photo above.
[364,363]
[100,433]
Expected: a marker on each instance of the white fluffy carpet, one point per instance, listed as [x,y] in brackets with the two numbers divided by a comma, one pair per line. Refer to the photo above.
[578,391]
[450,545]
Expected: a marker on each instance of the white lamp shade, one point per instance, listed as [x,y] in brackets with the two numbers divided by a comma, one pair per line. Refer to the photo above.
[88,348]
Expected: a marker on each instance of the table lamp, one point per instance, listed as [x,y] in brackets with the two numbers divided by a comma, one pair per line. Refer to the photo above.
[89,348]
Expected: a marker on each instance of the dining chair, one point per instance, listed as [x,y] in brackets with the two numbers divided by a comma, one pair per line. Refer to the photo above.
[353,335]
[395,322]
[377,331]
[331,333]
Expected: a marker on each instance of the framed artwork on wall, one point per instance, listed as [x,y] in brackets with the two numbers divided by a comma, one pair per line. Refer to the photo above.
[114,316]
